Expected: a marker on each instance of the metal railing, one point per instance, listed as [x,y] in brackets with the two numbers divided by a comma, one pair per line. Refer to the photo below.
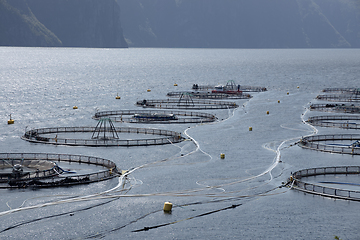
[211,95]
[340,98]
[123,116]
[317,189]
[315,143]
[343,90]
[327,121]
[51,177]
[342,108]
[34,135]
[193,104]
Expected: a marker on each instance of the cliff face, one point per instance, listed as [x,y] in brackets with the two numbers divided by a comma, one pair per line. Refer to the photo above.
[242,23]
[81,23]
[67,23]
[19,26]
[181,23]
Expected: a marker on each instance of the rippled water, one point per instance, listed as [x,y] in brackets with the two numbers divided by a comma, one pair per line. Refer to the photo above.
[41,86]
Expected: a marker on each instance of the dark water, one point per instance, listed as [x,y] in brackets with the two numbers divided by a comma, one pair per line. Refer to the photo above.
[41,86]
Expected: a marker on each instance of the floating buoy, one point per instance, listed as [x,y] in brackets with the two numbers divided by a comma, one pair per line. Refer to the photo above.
[117,96]
[298,87]
[175,84]
[278,101]
[149,90]
[222,155]
[287,93]
[250,128]
[75,107]
[167,207]
[11,121]
[267,112]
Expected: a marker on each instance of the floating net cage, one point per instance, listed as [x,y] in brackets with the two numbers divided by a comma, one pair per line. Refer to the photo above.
[343,90]
[103,135]
[186,102]
[340,98]
[336,143]
[20,170]
[211,95]
[345,121]
[338,108]
[321,189]
[156,116]
[230,85]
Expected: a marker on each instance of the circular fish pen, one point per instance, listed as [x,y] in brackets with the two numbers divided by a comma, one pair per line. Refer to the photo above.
[20,170]
[338,108]
[231,85]
[343,90]
[211,95]
[323,188]
[156,116]
[337,143]
[347,122]
[188,103]
[340,98]
[101,136]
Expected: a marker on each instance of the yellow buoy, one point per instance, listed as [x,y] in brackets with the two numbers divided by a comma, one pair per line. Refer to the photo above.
[250,128]
[75,107]
[149,90]
[167,207]
[117,96]
[278,101]
[267,112]
[287,93]
[11,121]
[297,86]
[222,155]
[175,84]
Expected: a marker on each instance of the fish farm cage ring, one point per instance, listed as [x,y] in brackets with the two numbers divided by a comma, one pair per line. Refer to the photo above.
[339,121]
[337,108]
[21,170]
[212,95]
[340,97]
[321,189]
[101,136]
[335,143]
[186,104]
[232,85]
[156,116]
[343,90]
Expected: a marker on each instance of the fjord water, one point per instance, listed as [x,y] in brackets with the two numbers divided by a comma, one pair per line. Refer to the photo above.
[40,86]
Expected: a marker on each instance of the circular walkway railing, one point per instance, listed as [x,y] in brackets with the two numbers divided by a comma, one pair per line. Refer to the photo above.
[211,95]
[340,98]
[181,116]
[42,178]
[345,121]
[339,108]
[301,185]
[318,142]
[188,104]
[343,90]
[165,137]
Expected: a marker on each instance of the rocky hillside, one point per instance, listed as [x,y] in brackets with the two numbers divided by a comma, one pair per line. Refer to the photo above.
[75,23]
[181,23]
[242,23]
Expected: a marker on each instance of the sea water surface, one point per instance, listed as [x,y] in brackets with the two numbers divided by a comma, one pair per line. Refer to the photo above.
[213,198]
